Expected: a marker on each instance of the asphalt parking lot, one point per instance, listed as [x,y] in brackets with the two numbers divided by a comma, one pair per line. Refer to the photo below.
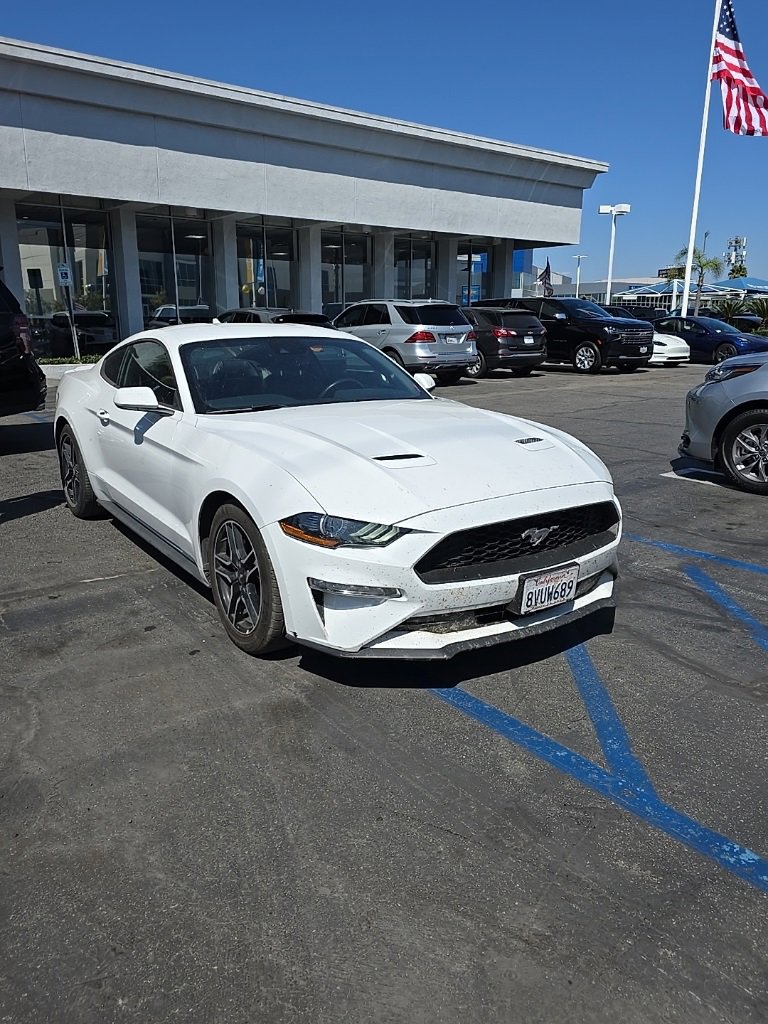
[569,829]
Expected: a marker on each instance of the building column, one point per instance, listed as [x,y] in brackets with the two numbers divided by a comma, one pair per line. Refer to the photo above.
[384,265]
[447,254]
[502,279]
[125,267]
[310,269]
[226,280]
[10,258]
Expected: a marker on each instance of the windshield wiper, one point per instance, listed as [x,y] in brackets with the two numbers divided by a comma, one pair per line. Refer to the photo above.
[243,408]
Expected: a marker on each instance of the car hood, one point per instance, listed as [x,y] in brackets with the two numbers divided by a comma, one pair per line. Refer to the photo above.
[390,461]
[756,342]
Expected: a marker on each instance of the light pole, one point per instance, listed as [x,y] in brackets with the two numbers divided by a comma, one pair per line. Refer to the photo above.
[615,211]
[578,259]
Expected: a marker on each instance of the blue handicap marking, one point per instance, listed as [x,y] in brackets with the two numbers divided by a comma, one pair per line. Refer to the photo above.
[625,782]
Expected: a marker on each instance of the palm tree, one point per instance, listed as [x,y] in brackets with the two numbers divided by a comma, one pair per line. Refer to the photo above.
[702,265]
[760,306]
[730,308]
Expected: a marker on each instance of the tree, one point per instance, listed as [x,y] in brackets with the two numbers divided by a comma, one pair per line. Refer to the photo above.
[760,306]
[730,308]
[737,270]
[702,265]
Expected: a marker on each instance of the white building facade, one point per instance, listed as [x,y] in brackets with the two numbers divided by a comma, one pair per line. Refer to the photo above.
[151,187]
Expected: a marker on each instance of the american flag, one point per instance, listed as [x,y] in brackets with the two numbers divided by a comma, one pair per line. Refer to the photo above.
[745,105]
[545,278]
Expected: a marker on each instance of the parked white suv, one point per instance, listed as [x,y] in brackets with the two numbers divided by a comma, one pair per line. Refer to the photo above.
[420,334]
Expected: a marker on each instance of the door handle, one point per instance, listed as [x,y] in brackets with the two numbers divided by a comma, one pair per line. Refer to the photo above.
[103,416]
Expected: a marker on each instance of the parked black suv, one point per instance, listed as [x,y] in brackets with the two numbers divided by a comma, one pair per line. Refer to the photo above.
[22,382]
[581,333]
[507,339]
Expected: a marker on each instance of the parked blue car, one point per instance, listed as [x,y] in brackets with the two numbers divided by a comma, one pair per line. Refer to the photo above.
[711,341]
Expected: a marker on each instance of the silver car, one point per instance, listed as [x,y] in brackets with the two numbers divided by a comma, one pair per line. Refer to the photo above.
[420,334]
[726,421]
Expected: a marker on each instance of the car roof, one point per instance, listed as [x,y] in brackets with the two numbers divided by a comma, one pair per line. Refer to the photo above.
[181,334]
[403,302]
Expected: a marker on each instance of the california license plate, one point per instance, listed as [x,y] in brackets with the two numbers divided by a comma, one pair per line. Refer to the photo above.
[528,339]
[452,339]
[547,589]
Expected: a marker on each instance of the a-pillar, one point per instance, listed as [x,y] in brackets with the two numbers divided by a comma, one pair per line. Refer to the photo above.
[310,270]
[226,281]
[501,274]
[447,255]
[10,259]
[384,265]
[125,271]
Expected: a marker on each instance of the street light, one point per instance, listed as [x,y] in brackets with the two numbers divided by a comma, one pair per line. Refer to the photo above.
[578,259]
[615,211]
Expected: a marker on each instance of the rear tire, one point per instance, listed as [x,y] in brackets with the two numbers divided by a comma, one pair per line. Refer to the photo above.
[587,358]
[478,369]
[75,482]
[394,357]
[244,584]
[450,377]
[743,450]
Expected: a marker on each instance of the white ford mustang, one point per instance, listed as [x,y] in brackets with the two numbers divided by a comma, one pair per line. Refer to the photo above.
[327,497]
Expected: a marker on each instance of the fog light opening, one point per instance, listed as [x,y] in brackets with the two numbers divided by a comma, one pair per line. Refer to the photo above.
[353,589]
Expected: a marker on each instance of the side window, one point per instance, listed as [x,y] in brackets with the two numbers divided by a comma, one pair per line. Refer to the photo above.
[667,327]
[377,313]
[550,309]
[110,368]
[352,317]
[226,318]
[148,365]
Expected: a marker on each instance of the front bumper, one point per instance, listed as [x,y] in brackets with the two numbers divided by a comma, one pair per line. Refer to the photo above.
[429,620]
[705,406]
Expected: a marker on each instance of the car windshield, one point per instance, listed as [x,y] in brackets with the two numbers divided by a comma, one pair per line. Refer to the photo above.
[717,325]
[252,374]
[584,308]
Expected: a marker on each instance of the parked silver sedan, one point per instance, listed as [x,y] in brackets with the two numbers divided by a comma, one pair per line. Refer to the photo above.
[726,421]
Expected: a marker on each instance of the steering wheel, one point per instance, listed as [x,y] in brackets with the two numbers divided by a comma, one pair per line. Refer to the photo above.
[337,384]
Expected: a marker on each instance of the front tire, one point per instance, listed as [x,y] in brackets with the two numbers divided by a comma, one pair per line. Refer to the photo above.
[244,584]
[75,482]
[724,351]
[450,377]
[744,450]
[587,358]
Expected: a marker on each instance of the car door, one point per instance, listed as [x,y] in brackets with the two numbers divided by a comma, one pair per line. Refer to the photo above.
[141,466]
[555,322]
[351,320]
[376,325]
[700,341]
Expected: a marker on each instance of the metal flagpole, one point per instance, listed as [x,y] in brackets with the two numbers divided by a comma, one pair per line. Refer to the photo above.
[699,168]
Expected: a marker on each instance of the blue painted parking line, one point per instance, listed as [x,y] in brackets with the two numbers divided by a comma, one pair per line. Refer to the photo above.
[39,417]
[719,596]
[737,859]
[706,556]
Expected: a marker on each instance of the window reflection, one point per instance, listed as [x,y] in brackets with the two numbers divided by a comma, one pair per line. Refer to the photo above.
[267,272]
[175,269]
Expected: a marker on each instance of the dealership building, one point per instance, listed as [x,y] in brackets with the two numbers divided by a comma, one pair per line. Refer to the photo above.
[124,188]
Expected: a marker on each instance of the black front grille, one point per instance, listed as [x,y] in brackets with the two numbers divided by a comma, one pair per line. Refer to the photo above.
[501,549]
[639,335]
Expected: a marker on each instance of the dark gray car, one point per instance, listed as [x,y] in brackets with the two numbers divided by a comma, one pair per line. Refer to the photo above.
[726,421]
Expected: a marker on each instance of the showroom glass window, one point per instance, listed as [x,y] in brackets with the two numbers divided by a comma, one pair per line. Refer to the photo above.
[473,271]
[175,266]
[414,266]
[347,266]
[266,264]
[59,236]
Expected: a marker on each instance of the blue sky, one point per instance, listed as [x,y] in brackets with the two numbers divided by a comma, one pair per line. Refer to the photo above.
[617,82]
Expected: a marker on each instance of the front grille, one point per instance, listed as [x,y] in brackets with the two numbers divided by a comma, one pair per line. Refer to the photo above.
[637,335]
[500,549]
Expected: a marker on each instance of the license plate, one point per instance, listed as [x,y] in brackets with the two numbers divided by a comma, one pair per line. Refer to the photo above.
[528,339]
[452,339]
[547,589]
[643,348]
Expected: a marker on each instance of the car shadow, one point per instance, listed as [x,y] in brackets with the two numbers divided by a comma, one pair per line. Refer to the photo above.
[24,438]
[687,468]
[29,505]
[389,673]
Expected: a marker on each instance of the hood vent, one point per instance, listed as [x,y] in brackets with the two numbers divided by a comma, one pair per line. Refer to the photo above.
[397,458]
[528,440]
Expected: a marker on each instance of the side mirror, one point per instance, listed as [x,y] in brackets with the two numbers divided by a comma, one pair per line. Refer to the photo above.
[426,381]
[141,400]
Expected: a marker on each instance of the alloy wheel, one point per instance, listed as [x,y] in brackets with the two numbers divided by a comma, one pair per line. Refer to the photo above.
[726,351]
[749,453]
[237,577]
[585,358]
[70,470]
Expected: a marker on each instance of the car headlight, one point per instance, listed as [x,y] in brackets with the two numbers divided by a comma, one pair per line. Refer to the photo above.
[724,372]
[659,344]
[612,330]
[335,532]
